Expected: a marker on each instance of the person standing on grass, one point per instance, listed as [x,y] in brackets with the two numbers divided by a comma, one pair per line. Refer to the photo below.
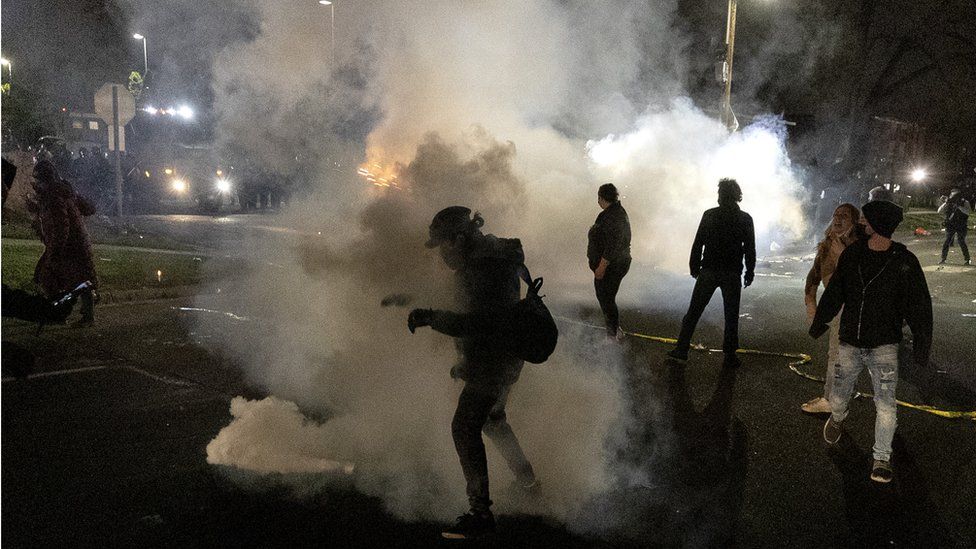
[67,259]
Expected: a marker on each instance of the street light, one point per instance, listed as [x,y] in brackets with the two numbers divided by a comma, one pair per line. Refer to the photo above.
[728,117]
[332,26]
[919,175]
[145,54]
[6,63]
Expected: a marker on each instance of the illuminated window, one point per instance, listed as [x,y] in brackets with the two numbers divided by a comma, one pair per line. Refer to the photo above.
[77,124]
[93,124]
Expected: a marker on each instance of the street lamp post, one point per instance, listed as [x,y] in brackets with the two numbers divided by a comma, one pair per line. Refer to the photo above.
[331,26]
[728,117]
[145,54]
[10,67]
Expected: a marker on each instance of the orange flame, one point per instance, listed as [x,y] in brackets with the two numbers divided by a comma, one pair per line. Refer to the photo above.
[380,173]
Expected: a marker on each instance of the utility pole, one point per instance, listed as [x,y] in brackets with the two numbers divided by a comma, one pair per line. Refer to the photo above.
[728,117]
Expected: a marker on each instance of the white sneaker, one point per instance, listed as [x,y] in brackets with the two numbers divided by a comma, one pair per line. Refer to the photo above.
[818,405]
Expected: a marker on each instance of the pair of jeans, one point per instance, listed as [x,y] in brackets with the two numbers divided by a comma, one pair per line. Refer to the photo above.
[882,364]
[833,348]
[606,292]
[959,234]
[708,280]
[481,407]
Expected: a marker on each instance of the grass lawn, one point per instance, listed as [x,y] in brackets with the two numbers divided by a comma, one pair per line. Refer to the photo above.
[118,269]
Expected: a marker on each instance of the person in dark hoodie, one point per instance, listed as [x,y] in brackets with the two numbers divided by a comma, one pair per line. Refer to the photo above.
[880,285]
[725,238]
[487,284]
[67,260]
[608,253]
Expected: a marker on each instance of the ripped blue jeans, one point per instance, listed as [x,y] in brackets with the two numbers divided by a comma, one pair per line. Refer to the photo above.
[882,364]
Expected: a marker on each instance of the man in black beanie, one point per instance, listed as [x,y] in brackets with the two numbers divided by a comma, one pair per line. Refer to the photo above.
[879,284]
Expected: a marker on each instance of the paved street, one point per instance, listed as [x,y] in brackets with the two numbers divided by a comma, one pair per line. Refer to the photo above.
[104,444]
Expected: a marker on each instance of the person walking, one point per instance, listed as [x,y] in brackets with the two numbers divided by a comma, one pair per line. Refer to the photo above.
[487,283]
[67,259]
[956,210]
[608,254]
[843,231]
[878,284]
[725,238]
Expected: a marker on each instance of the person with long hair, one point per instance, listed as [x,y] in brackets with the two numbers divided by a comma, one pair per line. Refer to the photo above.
[843,231]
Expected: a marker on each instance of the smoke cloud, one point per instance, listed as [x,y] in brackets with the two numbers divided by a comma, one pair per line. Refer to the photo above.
[515,109]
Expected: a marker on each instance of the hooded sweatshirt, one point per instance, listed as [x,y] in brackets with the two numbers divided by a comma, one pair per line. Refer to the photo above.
[878,292]
[487,286]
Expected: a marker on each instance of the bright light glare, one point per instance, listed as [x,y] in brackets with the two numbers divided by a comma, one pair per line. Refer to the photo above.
[919,174]
[169,171]
[179,185]
[185,112]
[150,109]
[4,61]
[325,2]
[223,185]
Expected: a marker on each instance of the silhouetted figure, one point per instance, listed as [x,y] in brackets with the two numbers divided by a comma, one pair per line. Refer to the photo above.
[487,282]
[879,284]
[843,231]
[956,210]
[725,237]
[608,253]
[67,259]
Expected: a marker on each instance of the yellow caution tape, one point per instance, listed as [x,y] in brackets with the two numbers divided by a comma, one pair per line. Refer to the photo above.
[799,360]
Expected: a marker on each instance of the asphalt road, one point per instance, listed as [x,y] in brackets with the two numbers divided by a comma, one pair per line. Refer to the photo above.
[103,445]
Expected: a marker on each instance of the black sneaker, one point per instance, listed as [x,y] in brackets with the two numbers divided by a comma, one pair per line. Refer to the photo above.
[731,361]
[680,356]
[470,526]
[881,472]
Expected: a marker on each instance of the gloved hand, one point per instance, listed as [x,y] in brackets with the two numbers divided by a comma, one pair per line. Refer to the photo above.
[747,280]
[419,318]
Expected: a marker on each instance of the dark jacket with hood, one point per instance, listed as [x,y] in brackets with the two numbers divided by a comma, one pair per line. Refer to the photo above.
[876,302]
[67,259]
[725,237]
[487,287]
[609,236]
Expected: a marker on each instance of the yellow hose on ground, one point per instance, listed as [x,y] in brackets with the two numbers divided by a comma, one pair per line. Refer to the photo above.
[799,360]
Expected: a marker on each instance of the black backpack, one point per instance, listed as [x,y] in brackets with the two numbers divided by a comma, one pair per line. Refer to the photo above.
[533,331]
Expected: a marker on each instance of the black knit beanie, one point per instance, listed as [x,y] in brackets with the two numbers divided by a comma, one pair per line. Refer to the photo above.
[883,216]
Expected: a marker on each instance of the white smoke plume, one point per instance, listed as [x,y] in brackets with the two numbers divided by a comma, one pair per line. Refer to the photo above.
[517,109]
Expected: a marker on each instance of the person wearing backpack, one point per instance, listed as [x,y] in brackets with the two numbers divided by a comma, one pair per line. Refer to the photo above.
[956,210]
[487,270]
[608,254]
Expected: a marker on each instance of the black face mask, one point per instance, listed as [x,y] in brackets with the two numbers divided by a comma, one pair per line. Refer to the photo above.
[453,252]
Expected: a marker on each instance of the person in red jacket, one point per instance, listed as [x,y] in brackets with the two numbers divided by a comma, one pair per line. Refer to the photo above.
[67,259]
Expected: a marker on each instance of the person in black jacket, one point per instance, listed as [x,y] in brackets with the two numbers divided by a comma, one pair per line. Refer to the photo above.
[487,283]
[725,237]
[879,284]
[608,253]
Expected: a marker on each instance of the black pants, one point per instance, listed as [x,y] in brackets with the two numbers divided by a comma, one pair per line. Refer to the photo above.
[961,235]
[606,292]
[731,284]
[482,408]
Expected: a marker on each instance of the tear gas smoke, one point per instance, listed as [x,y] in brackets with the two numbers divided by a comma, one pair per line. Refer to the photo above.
[504,107]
